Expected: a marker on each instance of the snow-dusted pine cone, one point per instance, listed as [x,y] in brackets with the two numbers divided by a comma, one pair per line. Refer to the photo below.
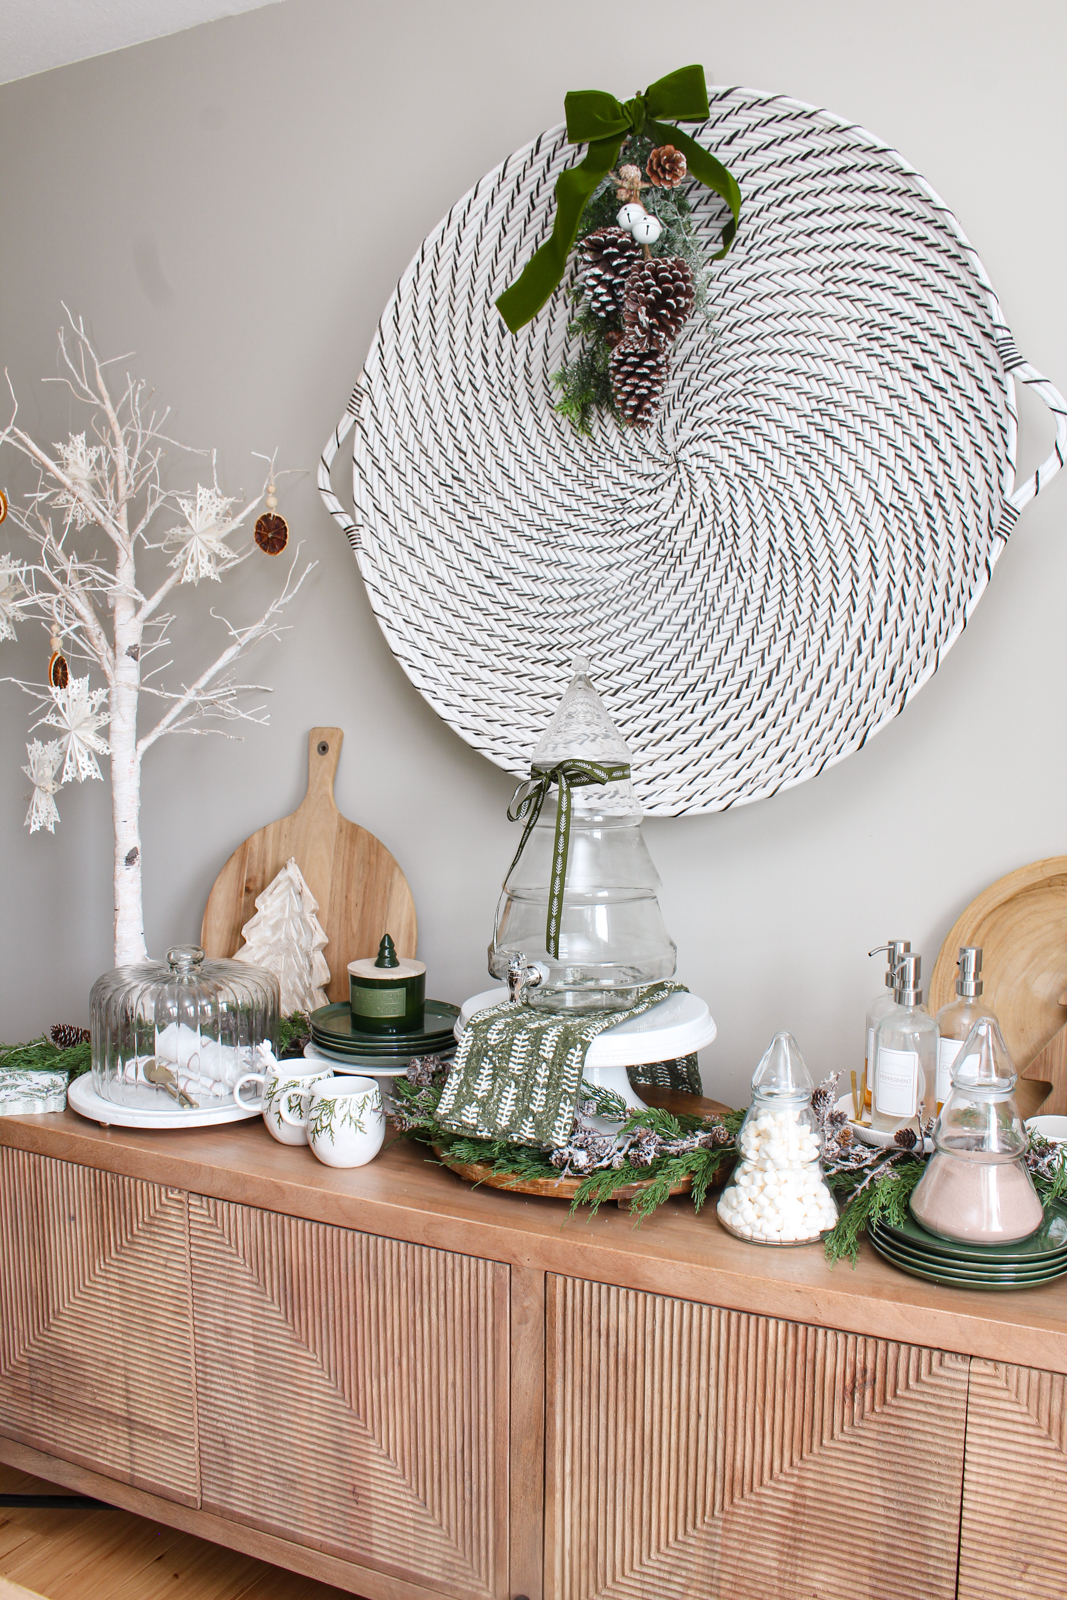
[659,297]
[666,167]
[607,256]
[65,1035]
[638,375]
[720,1135]
[822,1102]
[905,1138]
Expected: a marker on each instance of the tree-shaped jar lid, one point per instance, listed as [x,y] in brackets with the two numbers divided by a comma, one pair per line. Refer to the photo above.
[782,1072]
[580,729]
[980,1117]
[985,1061]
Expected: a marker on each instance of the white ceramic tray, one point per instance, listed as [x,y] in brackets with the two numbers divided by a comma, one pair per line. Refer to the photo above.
[676,1027]
[872,1135]
[83,1098]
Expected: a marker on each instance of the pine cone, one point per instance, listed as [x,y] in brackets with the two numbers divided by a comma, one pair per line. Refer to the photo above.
[844,1137]
[905,1138]
[638,374]
[666,167]
[659,297]
[609,253]
[65,1035]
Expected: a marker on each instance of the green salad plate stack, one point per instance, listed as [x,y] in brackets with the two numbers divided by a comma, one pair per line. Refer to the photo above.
[336,1036]
[1027,1264]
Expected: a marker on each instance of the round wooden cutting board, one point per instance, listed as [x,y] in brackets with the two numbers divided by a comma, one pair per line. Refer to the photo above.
[361,890]
[1021,924]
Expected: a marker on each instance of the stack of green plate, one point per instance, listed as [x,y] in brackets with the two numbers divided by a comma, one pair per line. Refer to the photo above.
[334,1032]
[1025,1265]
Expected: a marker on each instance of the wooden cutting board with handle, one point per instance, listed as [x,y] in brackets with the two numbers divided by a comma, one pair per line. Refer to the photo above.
[361,890]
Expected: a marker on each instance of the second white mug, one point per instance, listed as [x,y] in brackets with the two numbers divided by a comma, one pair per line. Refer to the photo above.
[344,1119]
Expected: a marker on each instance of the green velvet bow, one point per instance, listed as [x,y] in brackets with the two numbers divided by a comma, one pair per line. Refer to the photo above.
[567,775]
[604,123]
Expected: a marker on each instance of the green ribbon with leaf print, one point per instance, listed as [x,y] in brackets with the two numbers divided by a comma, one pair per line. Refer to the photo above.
[567,775]
[604,123]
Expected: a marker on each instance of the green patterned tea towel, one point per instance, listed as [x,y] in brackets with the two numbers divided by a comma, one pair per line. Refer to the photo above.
[681,1073]
[518,1070]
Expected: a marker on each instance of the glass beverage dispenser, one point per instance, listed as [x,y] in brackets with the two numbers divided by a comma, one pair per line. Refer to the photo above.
[579,899]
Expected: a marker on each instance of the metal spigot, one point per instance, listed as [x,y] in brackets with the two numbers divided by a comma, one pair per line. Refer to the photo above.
[521,977]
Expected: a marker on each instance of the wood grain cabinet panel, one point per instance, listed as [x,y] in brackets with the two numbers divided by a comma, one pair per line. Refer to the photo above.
[696,1452]
[1014,1534]
[353,1394]
[95,1322]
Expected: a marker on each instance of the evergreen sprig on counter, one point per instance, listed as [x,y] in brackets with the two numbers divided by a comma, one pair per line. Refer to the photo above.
[41,1055]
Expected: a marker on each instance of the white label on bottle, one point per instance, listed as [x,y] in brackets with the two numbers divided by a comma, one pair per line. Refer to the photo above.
[897,1083]
[947,1051]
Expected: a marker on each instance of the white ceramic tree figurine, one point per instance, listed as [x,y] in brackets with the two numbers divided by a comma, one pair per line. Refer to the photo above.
[103,488]
[287,938]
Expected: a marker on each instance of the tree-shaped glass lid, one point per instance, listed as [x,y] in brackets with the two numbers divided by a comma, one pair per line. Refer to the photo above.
[782,1072]
[985,1061]
[580,729]
[980,1116]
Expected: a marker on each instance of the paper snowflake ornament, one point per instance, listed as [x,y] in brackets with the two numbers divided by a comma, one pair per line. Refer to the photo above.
[79,463]
[202,541]
[286,937]
[13,595]
[77,713]
[44,762]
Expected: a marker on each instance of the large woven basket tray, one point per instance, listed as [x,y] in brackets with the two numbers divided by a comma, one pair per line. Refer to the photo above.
[765,578]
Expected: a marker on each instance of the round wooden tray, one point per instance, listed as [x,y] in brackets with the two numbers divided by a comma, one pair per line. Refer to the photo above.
[1021,923]
[548,1188]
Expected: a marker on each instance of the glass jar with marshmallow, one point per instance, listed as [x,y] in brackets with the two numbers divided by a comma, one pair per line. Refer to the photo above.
[778,1193]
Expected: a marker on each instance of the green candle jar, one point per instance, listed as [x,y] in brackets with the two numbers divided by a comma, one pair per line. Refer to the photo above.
[388,994]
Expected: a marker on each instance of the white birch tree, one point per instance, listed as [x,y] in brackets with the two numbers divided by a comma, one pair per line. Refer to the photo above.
[105,482]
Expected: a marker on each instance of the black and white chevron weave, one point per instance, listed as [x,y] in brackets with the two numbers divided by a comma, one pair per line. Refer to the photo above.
[764,578]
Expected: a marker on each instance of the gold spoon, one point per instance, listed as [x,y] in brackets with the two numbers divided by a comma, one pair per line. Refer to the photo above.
[164,1078]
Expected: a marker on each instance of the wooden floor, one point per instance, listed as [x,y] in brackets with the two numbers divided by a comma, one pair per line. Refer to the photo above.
[113,1555]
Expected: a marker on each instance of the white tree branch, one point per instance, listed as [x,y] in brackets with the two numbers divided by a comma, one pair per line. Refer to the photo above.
[243,639]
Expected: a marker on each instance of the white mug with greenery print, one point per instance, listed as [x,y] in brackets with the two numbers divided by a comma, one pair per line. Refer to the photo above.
[344,1119]
[275,1080]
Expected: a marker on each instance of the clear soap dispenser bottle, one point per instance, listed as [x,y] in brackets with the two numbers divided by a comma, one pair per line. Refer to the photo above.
[882,1003]
[905,1051]
[956,1019]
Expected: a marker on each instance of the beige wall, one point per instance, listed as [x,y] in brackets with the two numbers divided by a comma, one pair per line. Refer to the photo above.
[235,203]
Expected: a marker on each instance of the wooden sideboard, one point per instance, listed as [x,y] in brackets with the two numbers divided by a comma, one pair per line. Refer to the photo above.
[412,1389]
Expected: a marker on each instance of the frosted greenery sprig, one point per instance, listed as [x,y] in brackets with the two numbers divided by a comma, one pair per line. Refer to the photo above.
[651,1147]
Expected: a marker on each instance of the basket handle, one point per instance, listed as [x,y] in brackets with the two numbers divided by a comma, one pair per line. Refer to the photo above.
[326,461]
[1034,482]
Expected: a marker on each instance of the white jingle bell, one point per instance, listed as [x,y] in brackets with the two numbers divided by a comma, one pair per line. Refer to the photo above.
[630,214]
[646,230]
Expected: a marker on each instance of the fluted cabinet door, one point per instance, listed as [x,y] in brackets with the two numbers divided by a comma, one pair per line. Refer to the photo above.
[696,1452]
[1014,1536]
[95,1323]
[353,1394]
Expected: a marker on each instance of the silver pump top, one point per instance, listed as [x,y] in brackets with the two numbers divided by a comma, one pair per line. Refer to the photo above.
[907,978]
[895,948]
[969,961]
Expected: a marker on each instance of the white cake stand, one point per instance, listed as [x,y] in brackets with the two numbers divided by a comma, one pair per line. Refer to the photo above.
[83,1098]
[676,1027]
